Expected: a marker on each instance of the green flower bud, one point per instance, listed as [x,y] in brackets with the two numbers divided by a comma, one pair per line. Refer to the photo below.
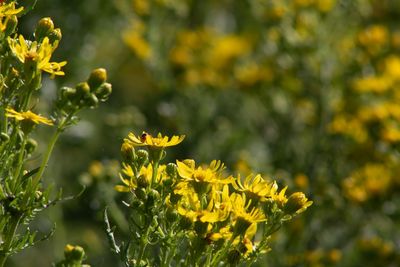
[152,197]
[74,254]
[43,28]
[55,36]
[91,101]
[97,78]
[67,93]
[12,23]
[82,90]
[104,91]
[31,145]
[4,137]
[171,170]
[142,157]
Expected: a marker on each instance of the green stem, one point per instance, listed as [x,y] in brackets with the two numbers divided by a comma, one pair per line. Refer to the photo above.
[36,179]
[143,244]
[20,164]
[8,240]
[224,251]
[46,157]
[155,170]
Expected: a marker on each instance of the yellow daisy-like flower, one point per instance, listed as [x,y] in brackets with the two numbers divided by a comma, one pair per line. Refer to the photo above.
[218,207]
[9,9]
[242,215]
[154,142]
[255,187]
[40,53]
[27,116]
[210,174]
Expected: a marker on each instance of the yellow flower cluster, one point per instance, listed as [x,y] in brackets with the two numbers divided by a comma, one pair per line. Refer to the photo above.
[372,180]
[212,205]
[208,58]
[380,109]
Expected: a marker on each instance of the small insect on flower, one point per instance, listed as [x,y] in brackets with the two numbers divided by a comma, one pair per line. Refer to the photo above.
[143,136]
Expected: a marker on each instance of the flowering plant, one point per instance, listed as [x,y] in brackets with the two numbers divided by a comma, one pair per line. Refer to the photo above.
[22,62]
[181,214]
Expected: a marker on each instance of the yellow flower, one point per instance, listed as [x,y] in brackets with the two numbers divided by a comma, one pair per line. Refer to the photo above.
[9,9]
[255,187]
[131,181]
[243,216]
[202,179]
[297,203]
[154,142]
[40,53]
[27,116]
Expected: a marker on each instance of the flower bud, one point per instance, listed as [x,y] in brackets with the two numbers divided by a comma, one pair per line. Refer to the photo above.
[142,157]
[128,152]
[31,145]
[104,91]
[83,89]
[55,36]
[152,197]
[296,203]
[4,137]
[74,254]
[43,28]
[171,170]
[91,101]
[67,93]
[97,78]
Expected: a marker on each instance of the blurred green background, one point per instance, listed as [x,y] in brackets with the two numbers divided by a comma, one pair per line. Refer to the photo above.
[304,91]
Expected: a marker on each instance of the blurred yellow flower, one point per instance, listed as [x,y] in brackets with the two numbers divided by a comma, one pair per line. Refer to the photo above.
[27,116]
[9,9]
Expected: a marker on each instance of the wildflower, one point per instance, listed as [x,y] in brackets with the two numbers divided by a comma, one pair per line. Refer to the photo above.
[154,142]
[132,181]
[39,53]
[9,9]
[27,116]
[297,203]
[135,40]
[202,179]
[244,218]
[255,187]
